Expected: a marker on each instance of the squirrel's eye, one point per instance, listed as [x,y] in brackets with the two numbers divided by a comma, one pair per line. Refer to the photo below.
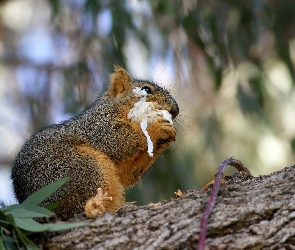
[147,89]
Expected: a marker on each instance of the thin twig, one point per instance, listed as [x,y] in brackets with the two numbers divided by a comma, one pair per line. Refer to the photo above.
[218,177]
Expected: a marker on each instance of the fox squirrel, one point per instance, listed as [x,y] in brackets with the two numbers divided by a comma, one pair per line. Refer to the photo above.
[101,150]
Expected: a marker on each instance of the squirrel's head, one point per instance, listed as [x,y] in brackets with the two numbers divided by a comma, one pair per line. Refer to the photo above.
[121,89]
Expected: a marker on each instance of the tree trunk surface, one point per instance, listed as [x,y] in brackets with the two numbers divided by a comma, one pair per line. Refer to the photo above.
[250,213]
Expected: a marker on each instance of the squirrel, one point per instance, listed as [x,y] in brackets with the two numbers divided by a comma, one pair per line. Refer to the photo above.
[102,150]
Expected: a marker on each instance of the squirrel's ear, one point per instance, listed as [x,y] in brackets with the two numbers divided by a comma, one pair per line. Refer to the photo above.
[120,82]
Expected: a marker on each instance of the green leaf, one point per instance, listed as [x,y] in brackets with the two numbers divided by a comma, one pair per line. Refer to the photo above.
[4,223]
[31,225]
[2,215]
[10,219]
[17,231]
[7,242]
[8,208]
[52,206]
[29,245]
[3,229]
[43,193]
[27,224]
[58,227]
[22,212]
[20,216]
[2,241]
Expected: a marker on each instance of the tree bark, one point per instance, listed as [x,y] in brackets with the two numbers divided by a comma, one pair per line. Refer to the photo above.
[250,213]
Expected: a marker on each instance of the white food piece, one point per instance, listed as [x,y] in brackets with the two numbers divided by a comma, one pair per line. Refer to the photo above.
[150,144]
[166,115]
[142,110]
[145,114]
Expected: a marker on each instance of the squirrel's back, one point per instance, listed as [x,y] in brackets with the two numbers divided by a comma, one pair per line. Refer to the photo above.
[100,148]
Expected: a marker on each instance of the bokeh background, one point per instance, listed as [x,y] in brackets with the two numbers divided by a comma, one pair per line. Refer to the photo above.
[229,64]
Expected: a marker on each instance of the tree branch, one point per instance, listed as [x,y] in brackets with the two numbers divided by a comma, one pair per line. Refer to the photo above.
[250,213]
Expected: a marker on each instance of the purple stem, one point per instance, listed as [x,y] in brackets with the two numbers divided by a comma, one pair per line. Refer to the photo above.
[212,201]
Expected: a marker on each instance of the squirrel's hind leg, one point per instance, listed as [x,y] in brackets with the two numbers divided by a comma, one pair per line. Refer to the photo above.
[110,192]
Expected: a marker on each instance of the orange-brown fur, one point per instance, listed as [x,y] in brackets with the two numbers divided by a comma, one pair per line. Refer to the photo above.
[132,168]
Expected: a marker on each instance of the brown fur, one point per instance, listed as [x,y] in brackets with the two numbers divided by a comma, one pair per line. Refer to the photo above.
[100,148]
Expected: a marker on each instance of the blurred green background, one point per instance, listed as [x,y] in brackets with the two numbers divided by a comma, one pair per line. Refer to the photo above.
[229,64]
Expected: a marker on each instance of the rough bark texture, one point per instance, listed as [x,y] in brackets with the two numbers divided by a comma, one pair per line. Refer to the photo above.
[251,213]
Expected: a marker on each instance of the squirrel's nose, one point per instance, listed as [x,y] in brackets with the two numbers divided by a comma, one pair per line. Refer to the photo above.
[174,110]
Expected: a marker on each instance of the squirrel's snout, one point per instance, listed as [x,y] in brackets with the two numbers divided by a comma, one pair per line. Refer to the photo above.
[174,110]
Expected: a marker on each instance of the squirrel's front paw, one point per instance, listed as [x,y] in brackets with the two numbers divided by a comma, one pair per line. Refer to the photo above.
[163,133]
[94,206]
[168,133]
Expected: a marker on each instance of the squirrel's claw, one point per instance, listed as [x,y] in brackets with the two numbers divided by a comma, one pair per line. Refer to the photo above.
[103,196]
[94,206]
